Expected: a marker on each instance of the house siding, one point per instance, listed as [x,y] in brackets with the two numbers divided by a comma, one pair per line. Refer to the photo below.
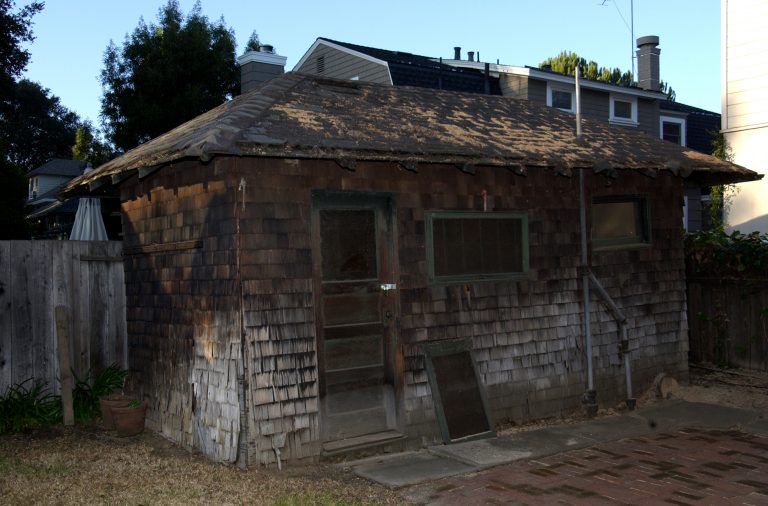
[342,65]
[648,113]
[185,312]
[182,305]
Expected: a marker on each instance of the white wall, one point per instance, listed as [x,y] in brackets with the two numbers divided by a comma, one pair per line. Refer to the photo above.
[744,39]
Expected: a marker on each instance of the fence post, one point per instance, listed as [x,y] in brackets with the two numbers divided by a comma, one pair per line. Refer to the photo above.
[65,372]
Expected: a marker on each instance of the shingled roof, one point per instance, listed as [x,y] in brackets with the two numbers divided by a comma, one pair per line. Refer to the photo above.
[407,69]
[302,116]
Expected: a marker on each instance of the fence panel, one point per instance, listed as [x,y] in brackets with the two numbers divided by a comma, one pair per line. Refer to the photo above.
[728,321]
[35,276]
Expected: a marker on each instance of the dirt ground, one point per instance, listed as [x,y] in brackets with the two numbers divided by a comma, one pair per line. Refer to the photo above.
[88,465]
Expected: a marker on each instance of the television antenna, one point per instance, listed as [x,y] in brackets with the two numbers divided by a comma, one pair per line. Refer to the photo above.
[630,26]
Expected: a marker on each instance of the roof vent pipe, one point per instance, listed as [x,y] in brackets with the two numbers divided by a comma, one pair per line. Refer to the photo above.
[471,55]
[457,53]
[267,48]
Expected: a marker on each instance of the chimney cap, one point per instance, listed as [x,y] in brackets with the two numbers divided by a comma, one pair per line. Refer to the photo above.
[651,40]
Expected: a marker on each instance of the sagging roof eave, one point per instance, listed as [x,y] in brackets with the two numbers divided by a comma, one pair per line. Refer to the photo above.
[105,179]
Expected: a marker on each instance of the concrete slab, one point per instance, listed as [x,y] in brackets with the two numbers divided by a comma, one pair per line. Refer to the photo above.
[610,429]
[523,445]
[674,414]
[409,469]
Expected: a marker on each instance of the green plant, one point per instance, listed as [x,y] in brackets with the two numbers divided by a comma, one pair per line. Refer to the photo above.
[715,253]
[23,407]
[85,395]
[134,403]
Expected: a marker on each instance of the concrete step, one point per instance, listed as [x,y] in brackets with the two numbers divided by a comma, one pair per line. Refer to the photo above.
[363,446]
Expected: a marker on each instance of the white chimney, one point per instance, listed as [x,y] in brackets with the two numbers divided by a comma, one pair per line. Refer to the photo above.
[259,66]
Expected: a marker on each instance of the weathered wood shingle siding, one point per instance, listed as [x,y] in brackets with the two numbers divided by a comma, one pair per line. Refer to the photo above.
[183,305]
[527,335]
[342,65]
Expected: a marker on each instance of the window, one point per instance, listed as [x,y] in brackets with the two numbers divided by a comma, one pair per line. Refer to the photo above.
[620,222]
[474,246]
[560,97]
[623,110]
[320,64]
[672,129]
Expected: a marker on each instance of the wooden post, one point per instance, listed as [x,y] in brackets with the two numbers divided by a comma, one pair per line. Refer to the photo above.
[65,373]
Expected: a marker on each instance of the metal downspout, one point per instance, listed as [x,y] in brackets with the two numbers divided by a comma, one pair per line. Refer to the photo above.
[590,396]
[621,320]
[242,380]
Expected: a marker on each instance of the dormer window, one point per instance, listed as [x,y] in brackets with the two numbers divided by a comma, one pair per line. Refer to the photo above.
[560,97]
[672,129]
[623,110]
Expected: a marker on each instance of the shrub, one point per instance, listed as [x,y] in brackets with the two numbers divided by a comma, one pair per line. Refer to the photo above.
[86,393]
[28,405]
[714,253]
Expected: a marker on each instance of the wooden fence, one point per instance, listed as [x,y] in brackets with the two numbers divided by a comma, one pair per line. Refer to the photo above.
[728,321]
[36,276]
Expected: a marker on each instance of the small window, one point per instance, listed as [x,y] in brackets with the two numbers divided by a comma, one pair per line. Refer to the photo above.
[561,99]
[472,246]
[623,110]
[673,130]
[560,96]
[620,222]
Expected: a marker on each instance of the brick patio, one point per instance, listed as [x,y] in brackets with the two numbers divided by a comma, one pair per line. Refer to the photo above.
[683,467]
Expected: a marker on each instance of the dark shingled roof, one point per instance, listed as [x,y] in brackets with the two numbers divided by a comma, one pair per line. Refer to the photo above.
[302,116]
[59,167]
[409,69]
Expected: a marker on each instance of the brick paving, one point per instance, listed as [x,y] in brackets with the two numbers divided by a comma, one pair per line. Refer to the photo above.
[683,467]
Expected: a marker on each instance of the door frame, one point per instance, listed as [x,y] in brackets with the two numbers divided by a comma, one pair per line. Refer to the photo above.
[387,246]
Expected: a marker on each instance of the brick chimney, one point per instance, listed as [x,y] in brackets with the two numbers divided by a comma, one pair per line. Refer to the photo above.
[259,66]
[648,62]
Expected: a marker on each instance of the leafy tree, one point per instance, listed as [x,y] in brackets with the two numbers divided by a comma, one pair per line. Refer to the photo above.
[721,196]
[567,61]
[35,126]
[165,74]
[13,196]
[15,30]
[89,148]
[253,43]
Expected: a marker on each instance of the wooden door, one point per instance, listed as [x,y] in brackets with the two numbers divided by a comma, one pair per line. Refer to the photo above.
[355,312]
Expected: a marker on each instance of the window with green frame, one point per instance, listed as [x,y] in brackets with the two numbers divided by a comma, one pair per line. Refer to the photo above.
[465,246]
[620,221]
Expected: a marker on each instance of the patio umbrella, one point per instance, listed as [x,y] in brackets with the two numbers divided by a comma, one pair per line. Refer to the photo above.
[88,226]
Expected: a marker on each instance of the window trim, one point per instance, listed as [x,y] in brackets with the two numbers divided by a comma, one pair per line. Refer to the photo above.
[672,119]
[643,241]
[429,218]
[632,121]
[560,87]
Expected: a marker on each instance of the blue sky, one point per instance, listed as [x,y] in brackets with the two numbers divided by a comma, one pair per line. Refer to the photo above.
[71,35]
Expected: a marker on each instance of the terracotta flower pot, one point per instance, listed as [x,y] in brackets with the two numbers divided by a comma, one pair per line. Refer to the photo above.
[129,420]
[106,404]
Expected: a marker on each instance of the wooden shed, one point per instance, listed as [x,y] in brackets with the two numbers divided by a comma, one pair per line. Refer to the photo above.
[318,266]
